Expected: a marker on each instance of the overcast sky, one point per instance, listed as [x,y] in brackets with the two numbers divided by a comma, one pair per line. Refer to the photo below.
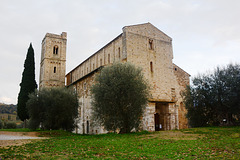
[205,33]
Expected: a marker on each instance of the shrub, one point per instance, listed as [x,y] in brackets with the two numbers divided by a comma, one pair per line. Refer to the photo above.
[55,108]
[11,125]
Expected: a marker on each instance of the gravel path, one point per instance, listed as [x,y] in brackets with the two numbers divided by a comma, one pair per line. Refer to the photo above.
[12,137]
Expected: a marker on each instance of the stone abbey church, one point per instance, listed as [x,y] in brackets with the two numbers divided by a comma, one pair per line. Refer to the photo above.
[143,45]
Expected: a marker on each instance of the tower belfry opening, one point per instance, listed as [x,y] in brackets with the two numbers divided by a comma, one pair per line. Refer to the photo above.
[55,50]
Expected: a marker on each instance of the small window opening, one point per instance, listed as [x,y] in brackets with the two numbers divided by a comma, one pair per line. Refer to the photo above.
[54,70]
[108,58]
[101,62]
[151,66]
[70,77]
[150,44]
[119,52]
[55,50]
[93,66]
[175,69]
[87,127]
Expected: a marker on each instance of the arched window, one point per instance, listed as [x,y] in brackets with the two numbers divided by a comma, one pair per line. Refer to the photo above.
[55,49]
[151,67]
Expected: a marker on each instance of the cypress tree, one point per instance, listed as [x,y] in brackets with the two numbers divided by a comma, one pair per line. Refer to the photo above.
[27,85]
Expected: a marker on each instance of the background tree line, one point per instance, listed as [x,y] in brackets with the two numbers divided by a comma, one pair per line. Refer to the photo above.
[8,108]
[214,98]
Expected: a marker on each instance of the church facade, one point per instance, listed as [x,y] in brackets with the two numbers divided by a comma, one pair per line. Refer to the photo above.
[143,45]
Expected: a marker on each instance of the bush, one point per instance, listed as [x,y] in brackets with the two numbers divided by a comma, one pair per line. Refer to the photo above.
[10,125]
[21,125]
[55,108]
[213,99]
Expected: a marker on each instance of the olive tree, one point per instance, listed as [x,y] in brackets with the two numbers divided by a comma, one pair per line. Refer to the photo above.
[214,98]
[55,108]
[120,94]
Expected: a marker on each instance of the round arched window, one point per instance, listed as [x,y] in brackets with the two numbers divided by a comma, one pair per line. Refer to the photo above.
[55,49]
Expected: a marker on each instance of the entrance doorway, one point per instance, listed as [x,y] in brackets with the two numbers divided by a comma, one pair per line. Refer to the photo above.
[161,116]
[157,121]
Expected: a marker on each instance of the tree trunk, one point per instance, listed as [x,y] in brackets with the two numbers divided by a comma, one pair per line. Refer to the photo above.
[122,131]
[25,123]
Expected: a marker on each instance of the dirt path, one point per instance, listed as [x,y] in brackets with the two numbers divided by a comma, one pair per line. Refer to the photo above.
[17,138]
[30,134]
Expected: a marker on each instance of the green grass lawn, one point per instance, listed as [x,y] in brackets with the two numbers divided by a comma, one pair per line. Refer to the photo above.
[195,143]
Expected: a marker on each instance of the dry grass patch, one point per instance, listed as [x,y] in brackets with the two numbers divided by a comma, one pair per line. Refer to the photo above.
[7,143]
[174,135]
[30,134]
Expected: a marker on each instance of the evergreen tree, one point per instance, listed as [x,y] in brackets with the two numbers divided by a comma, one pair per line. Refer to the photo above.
[27,85]
[119,97]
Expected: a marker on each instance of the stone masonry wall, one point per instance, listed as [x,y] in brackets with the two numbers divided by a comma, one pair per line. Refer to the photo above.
[109,54]
[183,81]
[85,122]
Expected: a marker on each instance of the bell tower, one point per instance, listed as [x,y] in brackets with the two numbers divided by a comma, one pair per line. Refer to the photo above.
[53,60]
